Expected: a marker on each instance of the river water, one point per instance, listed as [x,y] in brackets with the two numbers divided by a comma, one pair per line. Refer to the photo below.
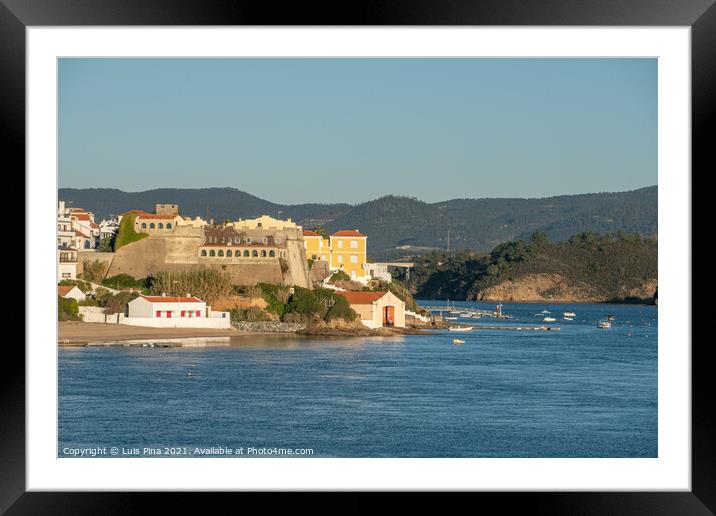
[578,392]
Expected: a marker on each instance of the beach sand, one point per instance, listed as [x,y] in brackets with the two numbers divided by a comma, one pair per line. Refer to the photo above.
[73,333]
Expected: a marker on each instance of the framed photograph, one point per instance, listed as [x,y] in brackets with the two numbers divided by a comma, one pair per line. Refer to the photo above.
[430,249]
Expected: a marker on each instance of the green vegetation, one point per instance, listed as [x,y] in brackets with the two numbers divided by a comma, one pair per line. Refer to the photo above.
[606,264]
[106,245]
[126,234]
[251,314]
[339,276]
[284,265]
[93,270]
[82,285]
[124,281]
[304,305]
[67,309]
[206,284]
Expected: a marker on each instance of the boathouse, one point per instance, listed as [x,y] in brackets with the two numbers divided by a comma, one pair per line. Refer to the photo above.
[377,309]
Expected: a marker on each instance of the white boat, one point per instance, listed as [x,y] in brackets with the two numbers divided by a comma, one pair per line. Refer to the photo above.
[549,319]
[604,324]
[458,341]
[569,314]
[567,318]
[460,328]
[545,311]
[450,318]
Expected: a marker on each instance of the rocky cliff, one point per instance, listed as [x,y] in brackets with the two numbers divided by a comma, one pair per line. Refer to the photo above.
[557,289]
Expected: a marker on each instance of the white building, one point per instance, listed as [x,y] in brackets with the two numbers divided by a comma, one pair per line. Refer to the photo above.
[65,232]
[173,312]
[66,262]
[377,309]
[71,292]
[108,228]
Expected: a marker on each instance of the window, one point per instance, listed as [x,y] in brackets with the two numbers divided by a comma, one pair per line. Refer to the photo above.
[263,254]
[158,313]
[160,225]
[169,314]
[340,259]
[203,252]
[183,313]
[277,240]
[169,225]
[248,240]
[66,275]
[340,244]
[237,240]
[246,253]
[221,252]
[212,253]
[229,253]
[198,313]
[255,253]
[264,240]
[354,259]
[354,244]
[144,225]
[272,253]
[151,225]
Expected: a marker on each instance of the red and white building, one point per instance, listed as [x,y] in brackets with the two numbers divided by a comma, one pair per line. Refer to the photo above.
[174,312]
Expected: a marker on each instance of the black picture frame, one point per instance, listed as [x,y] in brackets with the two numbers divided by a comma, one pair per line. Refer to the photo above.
[700,15]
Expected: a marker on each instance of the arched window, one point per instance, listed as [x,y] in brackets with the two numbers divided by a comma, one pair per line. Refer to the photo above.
[246,253]
[203,252]
[263,254]
[169,225]
[220,253]
[272,254]
[255,253]
[277,240]
[212,253]
[264,240]
[151,225]
[144,225]
[160,225]
[229,253]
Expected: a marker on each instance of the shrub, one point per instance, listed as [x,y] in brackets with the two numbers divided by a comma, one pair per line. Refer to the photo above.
[305,303]
[93,270]
[67,309]
[207,284]
[120,281]
[251,314]
[341,309]
[339,276]
[126,234]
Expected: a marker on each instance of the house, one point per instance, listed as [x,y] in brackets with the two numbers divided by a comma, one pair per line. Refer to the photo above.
[71,292]
[156,223]
[66,262]
[377,309]
[344,250]
[173,312]
[65,233]
[317,247]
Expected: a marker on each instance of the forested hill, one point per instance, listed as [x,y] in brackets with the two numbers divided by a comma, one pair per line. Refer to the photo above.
[585,268]
[406,226]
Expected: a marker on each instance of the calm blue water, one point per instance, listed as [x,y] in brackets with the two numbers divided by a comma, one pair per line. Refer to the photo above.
[577,392]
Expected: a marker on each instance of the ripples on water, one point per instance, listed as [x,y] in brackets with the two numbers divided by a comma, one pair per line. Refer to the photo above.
[579,392]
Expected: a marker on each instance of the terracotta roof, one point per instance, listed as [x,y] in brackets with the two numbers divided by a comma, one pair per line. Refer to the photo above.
[348,233]
[62,290]
[172,299]
[361,298]
[307,232]
[77,233]
[81,216]
[94,226]
[155,216]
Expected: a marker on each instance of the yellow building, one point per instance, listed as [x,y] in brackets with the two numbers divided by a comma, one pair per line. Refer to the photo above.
[348,252]
[317,247]
[344,250]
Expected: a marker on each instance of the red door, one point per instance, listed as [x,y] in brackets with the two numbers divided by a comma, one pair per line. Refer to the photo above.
[389,316]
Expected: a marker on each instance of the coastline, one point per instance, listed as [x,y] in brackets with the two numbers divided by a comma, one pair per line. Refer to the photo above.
[78,334]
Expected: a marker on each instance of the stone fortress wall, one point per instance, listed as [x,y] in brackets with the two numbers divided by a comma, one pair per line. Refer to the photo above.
[278,244]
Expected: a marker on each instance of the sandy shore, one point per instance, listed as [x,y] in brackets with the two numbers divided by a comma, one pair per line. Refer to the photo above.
[78,333]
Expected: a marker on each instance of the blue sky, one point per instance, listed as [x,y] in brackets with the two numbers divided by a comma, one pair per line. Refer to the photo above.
[351,130]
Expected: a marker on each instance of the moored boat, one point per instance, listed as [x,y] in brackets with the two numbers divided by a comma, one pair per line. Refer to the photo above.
[460,328]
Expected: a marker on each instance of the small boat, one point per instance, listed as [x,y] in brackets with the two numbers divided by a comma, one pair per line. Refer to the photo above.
[611,317]
[567,318]
[604,325]
[545,311]
[450,318]
[460,328]
[549,319]
[569,314]
[458,341]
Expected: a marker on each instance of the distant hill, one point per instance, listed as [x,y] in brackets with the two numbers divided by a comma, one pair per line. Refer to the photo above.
[587,267]
[392,222]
